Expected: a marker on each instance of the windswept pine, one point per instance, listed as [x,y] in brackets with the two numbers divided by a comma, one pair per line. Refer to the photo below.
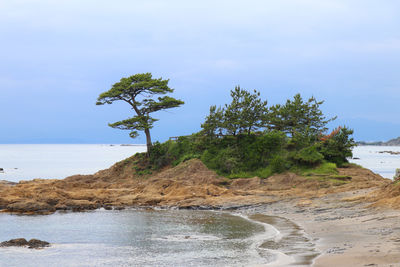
[140,91]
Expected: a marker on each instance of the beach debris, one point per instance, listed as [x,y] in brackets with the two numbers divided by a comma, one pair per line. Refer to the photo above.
[335,250]
[22,242]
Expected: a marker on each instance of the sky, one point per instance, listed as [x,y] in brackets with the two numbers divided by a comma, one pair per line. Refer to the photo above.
[56,57]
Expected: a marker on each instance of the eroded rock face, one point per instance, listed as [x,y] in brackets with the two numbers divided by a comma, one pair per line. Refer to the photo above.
[190,184]
[30,206]
[21,242]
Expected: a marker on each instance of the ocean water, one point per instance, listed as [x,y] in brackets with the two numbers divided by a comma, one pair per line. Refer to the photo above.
[381,163]
[146,238]
[26,162]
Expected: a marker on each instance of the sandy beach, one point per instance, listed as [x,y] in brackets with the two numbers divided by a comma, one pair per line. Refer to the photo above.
[345,233]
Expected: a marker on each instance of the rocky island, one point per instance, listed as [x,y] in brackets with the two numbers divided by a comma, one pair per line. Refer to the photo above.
[276,161]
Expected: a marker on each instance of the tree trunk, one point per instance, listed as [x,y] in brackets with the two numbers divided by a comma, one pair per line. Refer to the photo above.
[148,140]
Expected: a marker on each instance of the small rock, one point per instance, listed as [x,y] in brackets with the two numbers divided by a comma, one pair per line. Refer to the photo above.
[21,242]
[36,243]
[18,242]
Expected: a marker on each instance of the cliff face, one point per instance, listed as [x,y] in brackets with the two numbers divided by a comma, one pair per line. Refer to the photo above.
[188,185]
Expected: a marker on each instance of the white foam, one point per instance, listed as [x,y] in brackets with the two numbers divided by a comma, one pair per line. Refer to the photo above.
[186,238]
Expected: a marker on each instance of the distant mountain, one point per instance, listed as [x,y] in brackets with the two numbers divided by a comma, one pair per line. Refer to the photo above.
[392,142]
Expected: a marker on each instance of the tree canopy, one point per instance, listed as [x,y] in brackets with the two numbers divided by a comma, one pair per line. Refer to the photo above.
[298,116]
[140,91]
[243,115]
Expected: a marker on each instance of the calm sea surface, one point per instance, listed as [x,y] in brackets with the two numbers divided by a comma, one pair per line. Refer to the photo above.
[138,238]
[26,162]
[382,163]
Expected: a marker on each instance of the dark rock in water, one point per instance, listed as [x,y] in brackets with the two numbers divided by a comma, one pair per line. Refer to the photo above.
[21,242]
[36,243]
[390,152]
[18,242]
[1,170]
[107,207]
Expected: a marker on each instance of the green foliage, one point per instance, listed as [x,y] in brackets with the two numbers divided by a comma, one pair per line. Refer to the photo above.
[326,168]
[243,115]
[213,124]
[308,156]
[278,164]
[298,116]
[140,91]
[339,147]
[292,140]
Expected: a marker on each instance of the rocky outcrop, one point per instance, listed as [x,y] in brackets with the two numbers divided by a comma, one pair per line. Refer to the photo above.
[190,184]
[21,242]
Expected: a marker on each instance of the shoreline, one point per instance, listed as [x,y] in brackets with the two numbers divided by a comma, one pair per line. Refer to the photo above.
[339,232]
[344,232]
[335,215]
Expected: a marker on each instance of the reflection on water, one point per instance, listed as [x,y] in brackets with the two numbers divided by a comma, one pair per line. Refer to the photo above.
[124,238]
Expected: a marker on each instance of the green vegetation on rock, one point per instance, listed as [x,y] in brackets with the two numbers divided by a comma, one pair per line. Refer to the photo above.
[246,138]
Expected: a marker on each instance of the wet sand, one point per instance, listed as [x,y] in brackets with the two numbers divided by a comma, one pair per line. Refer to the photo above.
[344,233]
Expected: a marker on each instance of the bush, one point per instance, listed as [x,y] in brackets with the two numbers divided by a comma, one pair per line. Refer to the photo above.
[309,156]
[278,164]
[338,147]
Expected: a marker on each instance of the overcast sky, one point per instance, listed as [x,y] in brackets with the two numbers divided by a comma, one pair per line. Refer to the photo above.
[56,57]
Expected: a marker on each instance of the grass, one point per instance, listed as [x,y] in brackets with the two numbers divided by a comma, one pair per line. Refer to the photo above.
[348,165]
[262,173]
[324,169]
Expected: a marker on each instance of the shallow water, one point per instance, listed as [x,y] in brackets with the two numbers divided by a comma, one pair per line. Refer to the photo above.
[26,162]
[139,238]
[380,163]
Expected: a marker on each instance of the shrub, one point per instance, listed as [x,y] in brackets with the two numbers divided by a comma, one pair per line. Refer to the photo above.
[309,156]
[338,147]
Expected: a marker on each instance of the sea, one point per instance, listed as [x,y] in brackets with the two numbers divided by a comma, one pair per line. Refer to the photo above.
[138,237]
[377,159]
